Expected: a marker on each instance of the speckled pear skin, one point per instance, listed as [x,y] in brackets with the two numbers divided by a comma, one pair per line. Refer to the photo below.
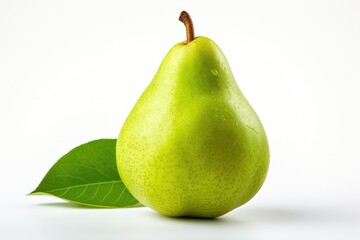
[192,146]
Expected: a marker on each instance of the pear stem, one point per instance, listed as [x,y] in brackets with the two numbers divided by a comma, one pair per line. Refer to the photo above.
[186,19]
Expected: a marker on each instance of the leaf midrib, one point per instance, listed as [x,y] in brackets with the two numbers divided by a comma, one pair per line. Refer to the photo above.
[93,205]
[81,185]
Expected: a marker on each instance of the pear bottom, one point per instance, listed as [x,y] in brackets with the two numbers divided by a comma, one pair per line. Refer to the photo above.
[203,177]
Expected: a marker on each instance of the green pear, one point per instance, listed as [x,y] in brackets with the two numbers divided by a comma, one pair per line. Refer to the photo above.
[192,146]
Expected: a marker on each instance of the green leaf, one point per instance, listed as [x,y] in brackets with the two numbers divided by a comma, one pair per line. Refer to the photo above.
[88,175]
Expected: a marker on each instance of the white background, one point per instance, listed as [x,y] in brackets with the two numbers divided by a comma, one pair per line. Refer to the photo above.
[70,72]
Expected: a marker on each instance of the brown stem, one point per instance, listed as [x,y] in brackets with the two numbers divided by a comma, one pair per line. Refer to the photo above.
[186,19]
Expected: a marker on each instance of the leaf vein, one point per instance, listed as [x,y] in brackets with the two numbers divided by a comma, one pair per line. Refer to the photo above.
[110,191]
[96,192]
[83,185]
[120,196]
[66,191]
[82,193]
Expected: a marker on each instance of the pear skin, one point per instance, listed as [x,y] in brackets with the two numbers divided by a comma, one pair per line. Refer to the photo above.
[192,146]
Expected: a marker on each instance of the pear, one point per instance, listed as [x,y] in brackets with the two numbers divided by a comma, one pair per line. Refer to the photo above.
[192,146]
